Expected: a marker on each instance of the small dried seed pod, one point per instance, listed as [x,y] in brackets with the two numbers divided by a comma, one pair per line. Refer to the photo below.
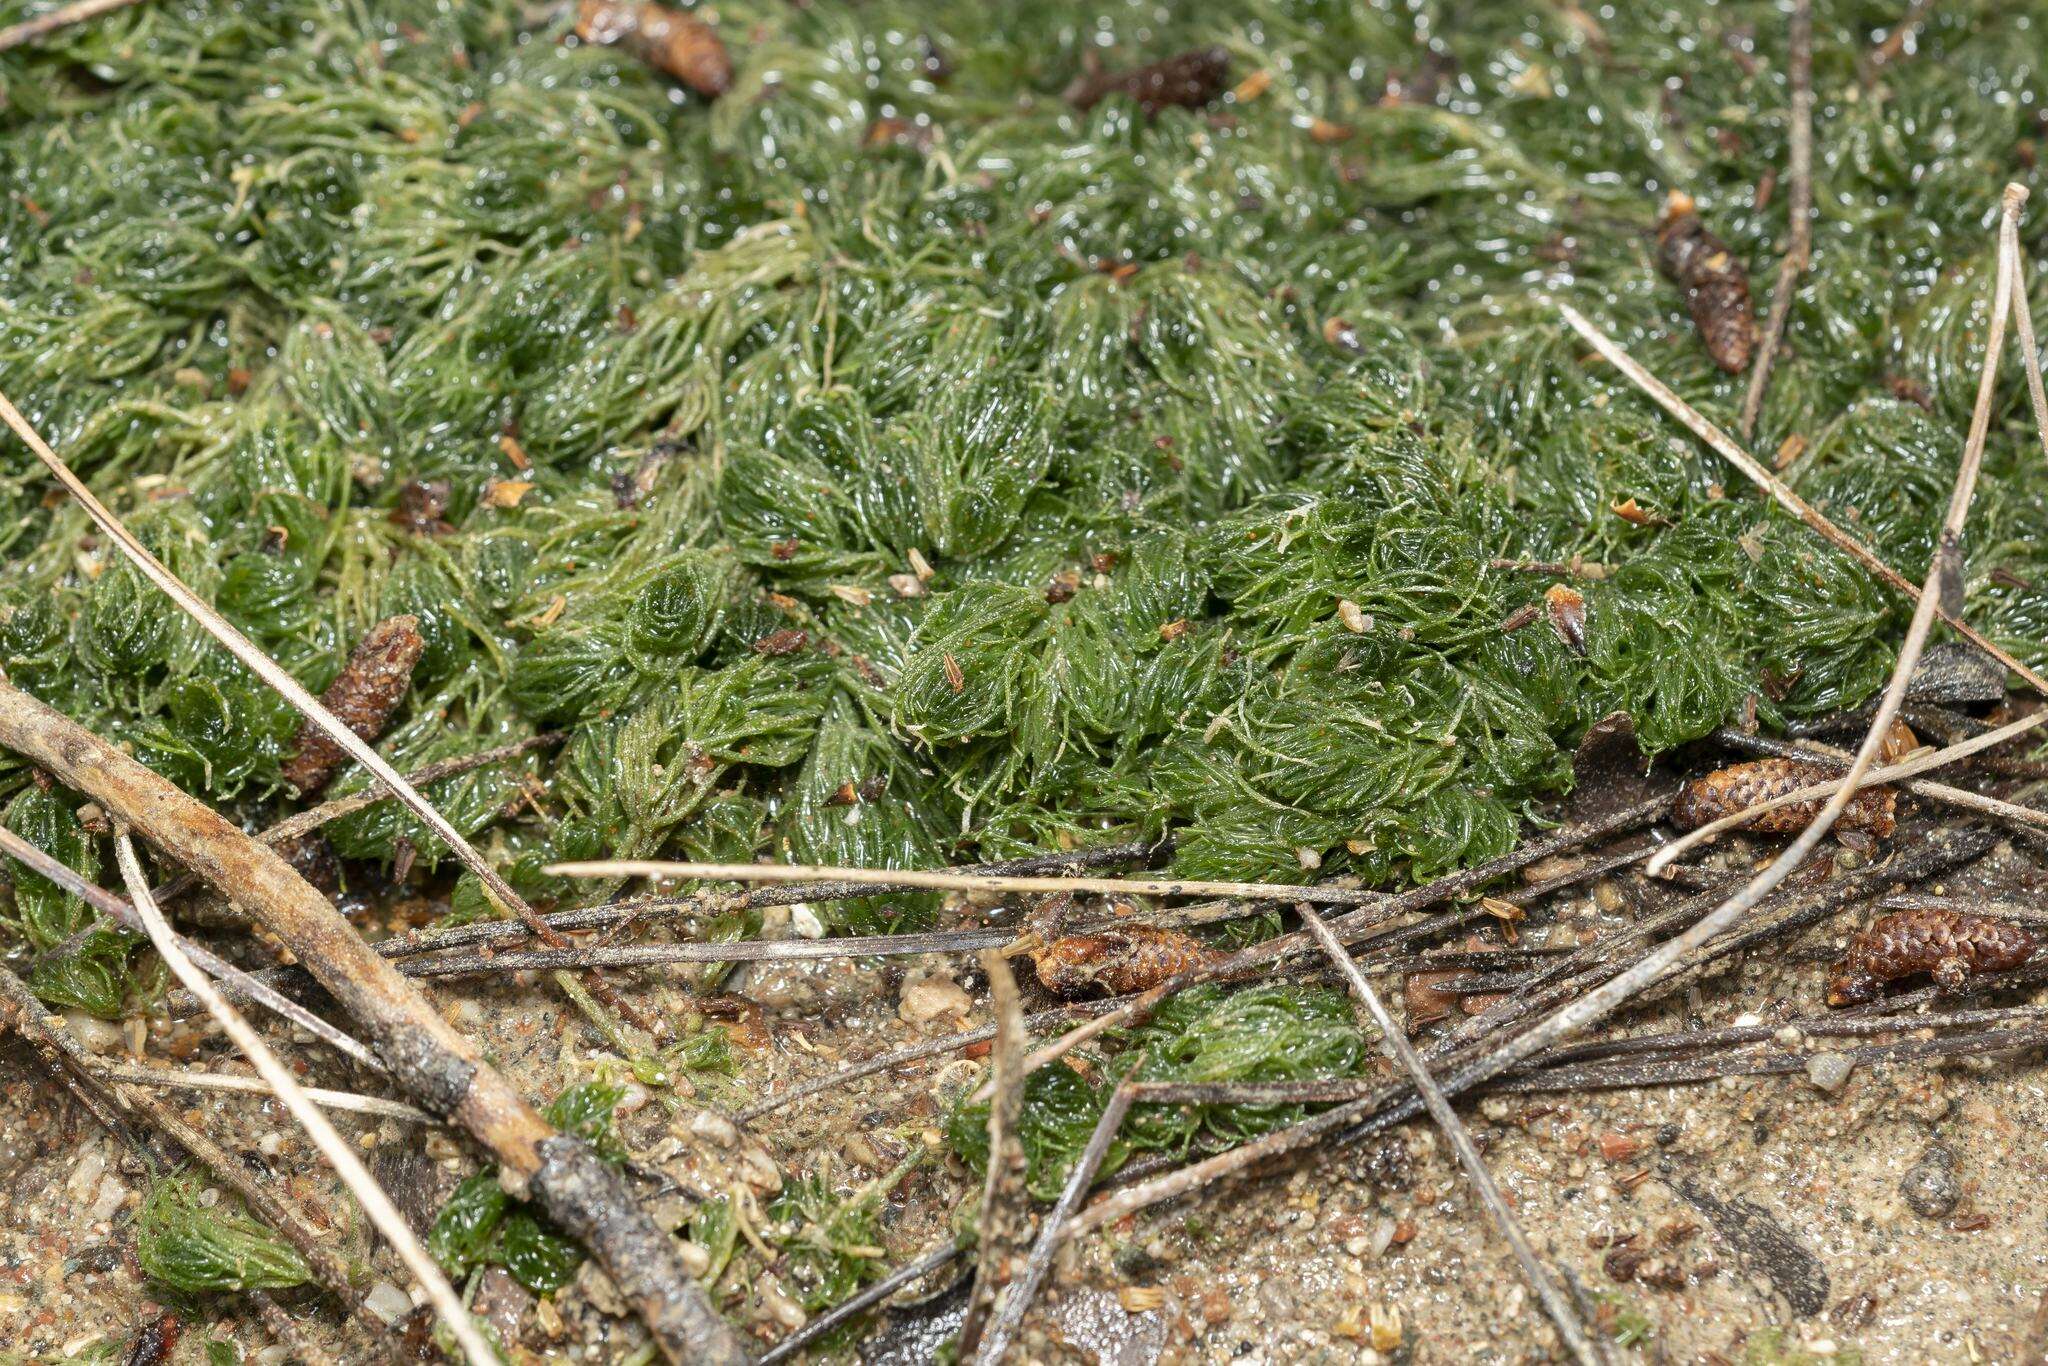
[1726,791]
[1949,944]
[1567,609]
[364,694]
[1117,960]
[672,41]
[1716,284]
[1187,81]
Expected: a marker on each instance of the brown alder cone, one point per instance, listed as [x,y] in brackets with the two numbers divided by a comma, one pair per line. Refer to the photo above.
[672,41]
[364,694]
[1118,960]
[1188,80]
[1726,791]
[1716,284]
[1949,944]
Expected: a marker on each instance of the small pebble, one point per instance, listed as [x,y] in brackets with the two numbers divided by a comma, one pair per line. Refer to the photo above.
[388,1302]
[1829,1071]
[714,1128]
[804,922]
[1930,1185]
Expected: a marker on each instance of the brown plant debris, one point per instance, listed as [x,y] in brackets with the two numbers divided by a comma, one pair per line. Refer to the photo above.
[1949,944]
[1726,791]
[1186,81]
[669,40]
[1716,284]
[1118,960]
[364,695]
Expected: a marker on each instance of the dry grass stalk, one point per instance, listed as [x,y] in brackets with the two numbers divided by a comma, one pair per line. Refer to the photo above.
[1394,1043]
[64,16]
[166,1079]
[426,1056]
[1799,215]
[945,879]
[1004,1199]
[340,1154]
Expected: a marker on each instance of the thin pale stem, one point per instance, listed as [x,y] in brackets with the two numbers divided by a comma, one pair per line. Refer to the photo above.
[940,879]
[65,16]
[349,1102]
[1799,215]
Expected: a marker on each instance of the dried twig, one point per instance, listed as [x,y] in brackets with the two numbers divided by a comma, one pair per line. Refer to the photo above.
[275,676]
[719,903]
[578,958]
[1394,1043]
[167,1079]
[427,1057]
[64,16]
[340,1154]
[1003,1196]
[946,879]
[1990,907]
[996,1342]
[1781,493]
[1799,214]
[233,980]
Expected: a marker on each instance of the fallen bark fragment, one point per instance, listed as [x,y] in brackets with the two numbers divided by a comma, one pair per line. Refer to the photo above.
[672,41]
[1186,81]
[435,1065]
[364,695]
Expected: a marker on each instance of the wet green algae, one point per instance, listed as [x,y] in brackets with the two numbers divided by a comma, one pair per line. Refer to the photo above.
[771,368]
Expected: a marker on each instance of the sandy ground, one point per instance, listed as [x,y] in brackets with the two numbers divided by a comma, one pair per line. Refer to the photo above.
[1744,1220]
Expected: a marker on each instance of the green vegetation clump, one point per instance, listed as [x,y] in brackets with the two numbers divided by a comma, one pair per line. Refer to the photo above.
[1167,407]
[480,1225]
[1264,1032]
[190,1245]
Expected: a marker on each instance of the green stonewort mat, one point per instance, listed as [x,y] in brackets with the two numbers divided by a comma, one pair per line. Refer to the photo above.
[888,462]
